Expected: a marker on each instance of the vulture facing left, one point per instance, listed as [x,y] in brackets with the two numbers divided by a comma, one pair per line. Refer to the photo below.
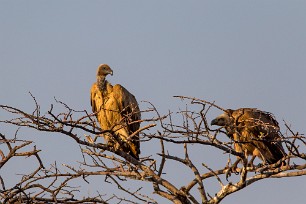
[254,132]
[116,110]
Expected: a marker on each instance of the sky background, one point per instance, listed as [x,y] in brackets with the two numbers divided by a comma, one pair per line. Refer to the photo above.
[236,53]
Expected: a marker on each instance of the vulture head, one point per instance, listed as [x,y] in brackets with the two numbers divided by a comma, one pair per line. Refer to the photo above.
[224,119]
[104,70]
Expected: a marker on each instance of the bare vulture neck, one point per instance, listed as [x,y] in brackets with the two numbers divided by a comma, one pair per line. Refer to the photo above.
[101,82]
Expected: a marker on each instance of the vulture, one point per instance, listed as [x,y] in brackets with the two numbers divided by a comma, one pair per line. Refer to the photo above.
[116,110]
[254,133]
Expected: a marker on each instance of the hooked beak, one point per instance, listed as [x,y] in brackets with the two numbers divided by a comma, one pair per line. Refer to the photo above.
[214,122]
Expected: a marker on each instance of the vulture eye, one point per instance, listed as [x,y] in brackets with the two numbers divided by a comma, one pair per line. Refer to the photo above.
[221,121]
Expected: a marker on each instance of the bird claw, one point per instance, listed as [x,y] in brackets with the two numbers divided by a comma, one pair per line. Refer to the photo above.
[231,170]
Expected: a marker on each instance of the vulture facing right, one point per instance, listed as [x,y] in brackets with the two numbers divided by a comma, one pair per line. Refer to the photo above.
[116,110]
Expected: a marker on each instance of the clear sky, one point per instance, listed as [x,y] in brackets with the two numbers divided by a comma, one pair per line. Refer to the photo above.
[237,53]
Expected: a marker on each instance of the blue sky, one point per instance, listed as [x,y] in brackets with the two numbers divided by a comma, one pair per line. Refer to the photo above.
[237,53]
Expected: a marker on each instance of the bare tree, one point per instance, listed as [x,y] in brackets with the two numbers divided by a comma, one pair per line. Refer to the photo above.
[182,129]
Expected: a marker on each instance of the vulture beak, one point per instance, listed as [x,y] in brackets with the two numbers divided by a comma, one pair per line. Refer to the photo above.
[214,122]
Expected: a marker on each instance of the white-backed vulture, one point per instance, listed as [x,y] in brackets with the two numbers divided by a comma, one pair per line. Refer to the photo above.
[254,132]
[116,110]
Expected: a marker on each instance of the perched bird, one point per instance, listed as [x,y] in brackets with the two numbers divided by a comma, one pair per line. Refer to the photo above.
[116,110]
[254,132]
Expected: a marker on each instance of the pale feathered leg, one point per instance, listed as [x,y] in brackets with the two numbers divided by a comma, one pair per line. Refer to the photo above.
[232,169]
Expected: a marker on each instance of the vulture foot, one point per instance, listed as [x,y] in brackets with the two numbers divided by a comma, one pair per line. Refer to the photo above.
[230,170]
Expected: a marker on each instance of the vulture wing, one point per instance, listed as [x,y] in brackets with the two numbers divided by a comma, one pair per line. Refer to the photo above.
[261,130]
[95,98]
[130,116]
[241,135]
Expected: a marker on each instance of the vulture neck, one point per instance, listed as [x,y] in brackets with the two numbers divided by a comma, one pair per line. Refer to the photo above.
[101,82]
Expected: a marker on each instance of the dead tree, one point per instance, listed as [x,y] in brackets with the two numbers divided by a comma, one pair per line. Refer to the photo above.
[184,130]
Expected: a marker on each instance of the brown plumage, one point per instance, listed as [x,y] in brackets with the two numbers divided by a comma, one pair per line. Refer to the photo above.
[255,133]
[116,110]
